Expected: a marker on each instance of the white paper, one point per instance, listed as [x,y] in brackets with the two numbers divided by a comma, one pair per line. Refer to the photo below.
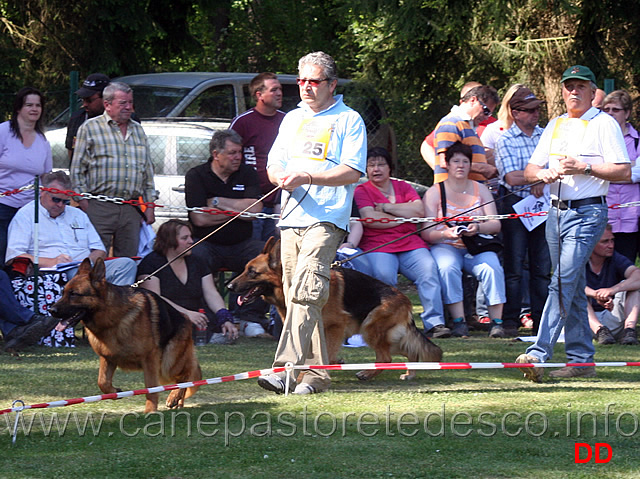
[531,204]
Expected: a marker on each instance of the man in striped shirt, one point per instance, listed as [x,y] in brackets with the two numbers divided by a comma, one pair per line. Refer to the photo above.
[459,125]
[111,158]
[513,150]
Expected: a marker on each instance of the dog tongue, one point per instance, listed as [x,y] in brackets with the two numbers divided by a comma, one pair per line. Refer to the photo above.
[62,325]
[240,300]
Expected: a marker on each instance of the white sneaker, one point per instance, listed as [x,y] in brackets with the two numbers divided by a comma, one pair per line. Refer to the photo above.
[274,383]
[304,388]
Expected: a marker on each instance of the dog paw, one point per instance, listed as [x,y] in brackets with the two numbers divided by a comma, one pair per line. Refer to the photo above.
[407,376]
[175,399]
[363,375]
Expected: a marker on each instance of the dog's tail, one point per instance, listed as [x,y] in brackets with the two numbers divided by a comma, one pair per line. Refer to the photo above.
[416,346]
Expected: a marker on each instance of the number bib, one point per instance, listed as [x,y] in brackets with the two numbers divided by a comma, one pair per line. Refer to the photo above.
[312,139]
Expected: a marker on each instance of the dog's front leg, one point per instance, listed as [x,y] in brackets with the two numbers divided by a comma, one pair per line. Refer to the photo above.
[151,379]
[105,376]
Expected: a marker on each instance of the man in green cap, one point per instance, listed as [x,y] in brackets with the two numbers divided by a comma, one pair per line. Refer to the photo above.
[579,153]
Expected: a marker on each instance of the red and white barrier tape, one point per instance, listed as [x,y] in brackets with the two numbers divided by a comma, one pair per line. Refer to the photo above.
[331,367]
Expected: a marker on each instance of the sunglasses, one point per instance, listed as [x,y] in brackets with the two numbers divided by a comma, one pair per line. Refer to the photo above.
[312,81]
[612,109]
[64,201]
[528,110]
[485,108]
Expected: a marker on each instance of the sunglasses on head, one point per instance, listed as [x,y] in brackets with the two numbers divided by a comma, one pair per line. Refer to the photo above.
[312,81]
[64,201]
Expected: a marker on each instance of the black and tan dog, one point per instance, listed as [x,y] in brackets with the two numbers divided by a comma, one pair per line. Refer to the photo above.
[133,329]
[357,304]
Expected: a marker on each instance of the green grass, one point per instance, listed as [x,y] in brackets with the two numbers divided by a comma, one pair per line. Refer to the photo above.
[267,436]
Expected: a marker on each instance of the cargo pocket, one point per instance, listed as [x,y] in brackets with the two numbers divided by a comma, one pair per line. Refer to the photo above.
[312,283]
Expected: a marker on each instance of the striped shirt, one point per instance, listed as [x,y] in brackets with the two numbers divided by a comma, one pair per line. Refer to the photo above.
[456,126]
[105,163]
[513,150]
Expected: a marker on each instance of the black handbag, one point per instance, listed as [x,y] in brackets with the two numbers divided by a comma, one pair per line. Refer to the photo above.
[478,243]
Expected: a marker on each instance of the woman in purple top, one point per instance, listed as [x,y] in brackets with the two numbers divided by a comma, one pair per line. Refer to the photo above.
[24,154]
[624,221]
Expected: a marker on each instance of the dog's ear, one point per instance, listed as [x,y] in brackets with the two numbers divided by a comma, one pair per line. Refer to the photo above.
[85,266]
[98,271]
[268,245]
[274,254]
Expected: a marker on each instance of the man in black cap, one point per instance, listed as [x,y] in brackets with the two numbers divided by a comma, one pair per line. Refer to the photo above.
[92,105]
[578,154]
[513,150]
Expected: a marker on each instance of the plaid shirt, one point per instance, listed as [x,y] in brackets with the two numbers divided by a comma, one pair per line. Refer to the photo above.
[105,163]
[513,150]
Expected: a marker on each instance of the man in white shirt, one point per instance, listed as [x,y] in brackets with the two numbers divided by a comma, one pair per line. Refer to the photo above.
[65,235]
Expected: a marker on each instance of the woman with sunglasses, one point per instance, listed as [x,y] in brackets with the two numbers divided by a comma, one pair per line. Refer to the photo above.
[24,154]
[624,221]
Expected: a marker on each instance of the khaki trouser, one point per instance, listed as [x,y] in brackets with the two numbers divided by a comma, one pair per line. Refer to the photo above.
[307,254]
[118,222]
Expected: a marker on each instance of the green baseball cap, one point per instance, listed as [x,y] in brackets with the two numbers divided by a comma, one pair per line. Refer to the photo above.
[578,72]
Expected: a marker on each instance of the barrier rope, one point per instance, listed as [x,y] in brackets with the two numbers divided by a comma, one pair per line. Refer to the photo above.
[215,211]
[329,367]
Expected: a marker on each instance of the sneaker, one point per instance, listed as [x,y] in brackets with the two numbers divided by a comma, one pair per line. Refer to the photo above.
[274,383]
[304,388]
[526,321]
[460,330]
[511,331]
[28,334]
[574,372]
[629,337]
[484,320]
[439,331]
[497,331]
[533,374]
[604,336]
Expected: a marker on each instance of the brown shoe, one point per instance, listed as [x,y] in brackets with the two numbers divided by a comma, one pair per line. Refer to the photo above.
[574,372]
[532,374]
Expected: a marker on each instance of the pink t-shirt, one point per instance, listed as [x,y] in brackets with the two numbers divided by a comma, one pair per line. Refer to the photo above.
[367,194]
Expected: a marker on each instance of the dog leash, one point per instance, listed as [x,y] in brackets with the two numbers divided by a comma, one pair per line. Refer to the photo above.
[445,220]
[151,275]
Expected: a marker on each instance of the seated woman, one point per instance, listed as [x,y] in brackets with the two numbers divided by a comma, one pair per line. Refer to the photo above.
[449,251]
[186,284]
[384,198]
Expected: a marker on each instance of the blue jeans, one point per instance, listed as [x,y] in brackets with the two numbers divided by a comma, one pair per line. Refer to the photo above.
[418,266]
[520,245]
[485,267]
[571,236]
[264,228]
[12,313]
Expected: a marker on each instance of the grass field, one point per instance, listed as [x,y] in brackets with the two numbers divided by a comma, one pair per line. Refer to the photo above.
[444,424]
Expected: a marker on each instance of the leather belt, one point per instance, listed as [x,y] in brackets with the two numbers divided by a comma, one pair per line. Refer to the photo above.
[567,204]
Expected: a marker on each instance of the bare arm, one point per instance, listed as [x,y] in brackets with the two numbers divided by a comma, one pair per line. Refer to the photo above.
[225,204]
[338,176]
[428,154]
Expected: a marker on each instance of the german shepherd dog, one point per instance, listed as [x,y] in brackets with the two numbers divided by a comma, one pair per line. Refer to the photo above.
[357,304]
[133,329]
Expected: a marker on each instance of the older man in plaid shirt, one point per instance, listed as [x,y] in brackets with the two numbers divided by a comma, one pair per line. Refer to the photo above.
[513,150]
[111,158]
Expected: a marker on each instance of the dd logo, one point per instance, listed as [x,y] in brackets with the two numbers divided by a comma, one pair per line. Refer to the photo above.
[590,453]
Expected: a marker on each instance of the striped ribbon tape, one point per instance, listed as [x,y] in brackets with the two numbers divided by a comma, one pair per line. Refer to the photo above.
[332,367]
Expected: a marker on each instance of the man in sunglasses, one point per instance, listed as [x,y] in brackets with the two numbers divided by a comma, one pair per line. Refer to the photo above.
[65,233]
[460,125]
[318,156]
[92,105]
[513,150]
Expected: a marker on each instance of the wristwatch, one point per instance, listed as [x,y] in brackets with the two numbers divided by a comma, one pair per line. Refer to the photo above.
[587,169]
[215,201]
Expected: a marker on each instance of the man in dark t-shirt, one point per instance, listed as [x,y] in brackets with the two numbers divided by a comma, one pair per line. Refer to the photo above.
[613,285]
[258,128]
[224,183]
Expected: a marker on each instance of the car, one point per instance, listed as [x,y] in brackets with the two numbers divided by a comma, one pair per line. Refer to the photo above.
[179,112]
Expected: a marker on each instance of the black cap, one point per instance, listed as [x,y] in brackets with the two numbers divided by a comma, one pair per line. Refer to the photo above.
[94,83]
